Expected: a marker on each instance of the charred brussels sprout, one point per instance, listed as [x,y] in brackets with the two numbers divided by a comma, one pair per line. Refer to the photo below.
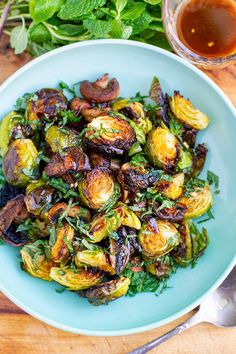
[105,292]
[94,258]
[163,148]
[172,189]
[35,262]
[38,198]
[110,134]
[135,177]
[62,248]
[6,127]
[99,188]
[76,279]
[20,162]
[103,224]
[59,138]
[158,238]
[45,102]
[160,267]
[198,202]
[187,113]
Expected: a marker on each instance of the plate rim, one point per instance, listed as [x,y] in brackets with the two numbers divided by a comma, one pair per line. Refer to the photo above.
[228,267]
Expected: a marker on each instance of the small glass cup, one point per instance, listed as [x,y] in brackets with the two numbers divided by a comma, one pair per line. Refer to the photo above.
[169,10]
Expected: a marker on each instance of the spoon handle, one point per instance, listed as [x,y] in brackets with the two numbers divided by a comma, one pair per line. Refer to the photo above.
[195,319]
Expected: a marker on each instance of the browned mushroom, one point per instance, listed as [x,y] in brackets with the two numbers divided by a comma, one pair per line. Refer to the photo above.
[83,107]
[174,214]
[71,159]
[98,160]
[13,211]
[101,90]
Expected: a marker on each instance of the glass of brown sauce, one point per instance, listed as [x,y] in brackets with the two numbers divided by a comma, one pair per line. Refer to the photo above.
[202,31]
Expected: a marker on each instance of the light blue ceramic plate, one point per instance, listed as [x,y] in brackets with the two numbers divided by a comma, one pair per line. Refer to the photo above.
[134,64]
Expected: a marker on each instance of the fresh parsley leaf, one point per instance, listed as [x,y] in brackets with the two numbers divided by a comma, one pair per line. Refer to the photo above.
[214,180]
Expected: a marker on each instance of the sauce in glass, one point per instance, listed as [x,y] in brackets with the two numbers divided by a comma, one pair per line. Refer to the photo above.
[208,27]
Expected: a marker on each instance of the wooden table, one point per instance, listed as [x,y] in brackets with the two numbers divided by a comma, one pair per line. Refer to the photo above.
[22,334]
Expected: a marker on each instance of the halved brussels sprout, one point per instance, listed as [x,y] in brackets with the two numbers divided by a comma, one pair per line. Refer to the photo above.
[185,159]
[157,240]
[38,198]
[35,262]
[6,127]
[62,248]
[187,113]
[59,138]
[160,267]
[94,258]
[173,213]
[99,188]
[76,279]
[172,189]
[20,162]
[163,148]
[45,102]
[135,177]
[183,254]
[75,212]
[199,201]
[110,134]
[103,224]
[105,292]
[119,251]
[138,120]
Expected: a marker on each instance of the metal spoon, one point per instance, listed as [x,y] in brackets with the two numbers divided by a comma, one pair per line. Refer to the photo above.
[219,309]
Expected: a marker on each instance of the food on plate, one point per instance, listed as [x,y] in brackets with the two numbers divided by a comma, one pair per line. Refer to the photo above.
[100,191]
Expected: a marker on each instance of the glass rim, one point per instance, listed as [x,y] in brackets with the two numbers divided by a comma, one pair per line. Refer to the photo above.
[194,56]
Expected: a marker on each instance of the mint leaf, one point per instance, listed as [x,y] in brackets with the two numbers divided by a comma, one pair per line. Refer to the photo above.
[141,23]
[153,2]
[19,38]
[38,33]
[120,5]
[133,12]
[98,28]
[42,10]
[73,9]
[119,30]
[69,29]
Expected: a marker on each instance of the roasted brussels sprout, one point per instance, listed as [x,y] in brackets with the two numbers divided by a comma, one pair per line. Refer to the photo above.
[101,90]
[171,189]
[35,262]
[62,247]
[45,102]
[183,254]
[70,160]
[76,279]
[103,224]
[137,117]
[105,292]
[13,211]
[163,148]
[99,188]
[20,162]
[199,201]
[37,199]
[7,125]
[135,177]
[185,160]
[120,251]
[110,134]
[59,138]
[199,159]
[158,238]
[160,267]
[187,113]
[94,258]
[75,212]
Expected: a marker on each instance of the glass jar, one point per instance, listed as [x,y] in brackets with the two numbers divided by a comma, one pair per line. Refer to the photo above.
[169,10]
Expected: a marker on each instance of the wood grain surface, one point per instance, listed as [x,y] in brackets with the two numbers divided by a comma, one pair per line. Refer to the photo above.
[23,334]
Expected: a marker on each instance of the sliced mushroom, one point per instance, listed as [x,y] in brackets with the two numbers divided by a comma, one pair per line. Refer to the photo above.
[120,251]
[72,159]
[174,214]
[13,211]
[101,90]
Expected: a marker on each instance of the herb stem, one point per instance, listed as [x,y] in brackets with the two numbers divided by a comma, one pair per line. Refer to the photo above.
[51,29]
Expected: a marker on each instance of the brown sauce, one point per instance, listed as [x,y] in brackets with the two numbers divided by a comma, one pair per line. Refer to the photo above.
[208,27]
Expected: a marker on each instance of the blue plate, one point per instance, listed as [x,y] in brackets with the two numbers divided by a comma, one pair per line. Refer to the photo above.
[134,65]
